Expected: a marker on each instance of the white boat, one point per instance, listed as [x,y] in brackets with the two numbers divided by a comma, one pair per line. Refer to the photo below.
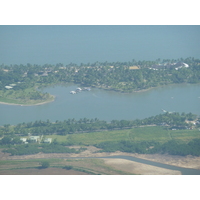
[167,111]
[87,89]
[78,90]
[72,92]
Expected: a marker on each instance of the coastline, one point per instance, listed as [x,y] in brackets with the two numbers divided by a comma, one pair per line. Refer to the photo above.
[121,91]
[102,88]
[21,104]
[143,90]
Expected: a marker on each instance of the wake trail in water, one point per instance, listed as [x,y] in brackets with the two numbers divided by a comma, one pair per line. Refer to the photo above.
[95,95]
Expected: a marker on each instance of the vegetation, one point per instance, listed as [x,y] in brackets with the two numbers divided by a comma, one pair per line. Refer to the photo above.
[45,164]
[36,148]
[172,147]
[72,126]
[88,166]
[171,133]
[68,167]
[23,80]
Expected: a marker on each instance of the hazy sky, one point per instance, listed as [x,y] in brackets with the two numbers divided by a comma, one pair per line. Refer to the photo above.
[65,44]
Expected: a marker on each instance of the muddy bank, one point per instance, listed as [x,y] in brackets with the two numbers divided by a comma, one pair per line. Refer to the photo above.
[138,168]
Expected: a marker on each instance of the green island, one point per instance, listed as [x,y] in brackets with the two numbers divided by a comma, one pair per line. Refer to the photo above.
[19,84]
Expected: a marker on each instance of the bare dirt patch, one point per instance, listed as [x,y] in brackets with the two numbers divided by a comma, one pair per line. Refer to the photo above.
[138,168]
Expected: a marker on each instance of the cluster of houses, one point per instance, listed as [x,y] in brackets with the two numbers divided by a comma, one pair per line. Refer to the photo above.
[36,139]
[10,86]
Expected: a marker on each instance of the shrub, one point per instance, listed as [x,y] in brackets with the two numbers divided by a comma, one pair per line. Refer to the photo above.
[45,164]
[68,167]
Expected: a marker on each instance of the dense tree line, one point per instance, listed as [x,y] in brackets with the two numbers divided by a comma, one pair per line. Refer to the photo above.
[114,75]
[44,148]
[72,126]
[171,147]
[12,143]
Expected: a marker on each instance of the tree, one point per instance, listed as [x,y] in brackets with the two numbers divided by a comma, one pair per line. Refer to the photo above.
[45,164]
[6,128]
[16,140]
[68,167]
[6,140]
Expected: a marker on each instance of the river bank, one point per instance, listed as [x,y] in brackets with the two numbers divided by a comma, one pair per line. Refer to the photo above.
[29,103]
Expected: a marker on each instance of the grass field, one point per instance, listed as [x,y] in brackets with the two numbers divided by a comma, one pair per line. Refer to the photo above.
[21,97]
[149,133]
[86,166]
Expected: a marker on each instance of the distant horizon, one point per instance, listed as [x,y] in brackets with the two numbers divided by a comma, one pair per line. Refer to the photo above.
[53,44]
[95,62]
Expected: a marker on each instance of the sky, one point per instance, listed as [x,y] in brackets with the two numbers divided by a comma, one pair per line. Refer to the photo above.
[52,44]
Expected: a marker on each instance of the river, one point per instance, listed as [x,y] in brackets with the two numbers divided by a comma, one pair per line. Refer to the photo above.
[106,105]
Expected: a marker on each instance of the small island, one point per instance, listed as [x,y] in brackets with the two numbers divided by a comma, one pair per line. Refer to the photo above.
[25,97]
[20,84]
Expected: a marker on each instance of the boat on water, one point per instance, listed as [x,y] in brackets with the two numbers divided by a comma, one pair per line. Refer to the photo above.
[167,111]
[78,90]
[86,88]
[72,92]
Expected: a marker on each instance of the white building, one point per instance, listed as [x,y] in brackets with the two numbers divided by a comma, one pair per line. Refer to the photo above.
[34,138]
[8,87]
[48,140]
[23,139]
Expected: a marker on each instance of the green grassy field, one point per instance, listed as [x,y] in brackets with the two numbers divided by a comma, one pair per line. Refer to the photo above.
[89,166]
[154,133]
[21,97]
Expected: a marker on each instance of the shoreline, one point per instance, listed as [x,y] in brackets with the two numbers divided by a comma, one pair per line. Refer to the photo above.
[102,88]
[122,92]
[37,104]
[142,90]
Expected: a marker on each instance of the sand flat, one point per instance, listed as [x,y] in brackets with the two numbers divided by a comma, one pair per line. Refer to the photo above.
[138,168]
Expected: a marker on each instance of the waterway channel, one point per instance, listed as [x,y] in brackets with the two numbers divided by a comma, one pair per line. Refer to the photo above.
[106,105]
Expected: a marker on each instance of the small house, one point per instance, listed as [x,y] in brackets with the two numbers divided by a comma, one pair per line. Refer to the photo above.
[23,139]
[47,140]
[34,138]
[8,87]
